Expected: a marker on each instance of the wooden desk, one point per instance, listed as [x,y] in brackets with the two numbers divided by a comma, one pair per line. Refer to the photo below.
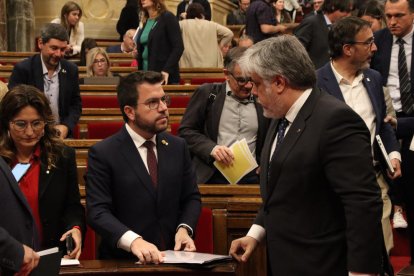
[118,268]
[407,271]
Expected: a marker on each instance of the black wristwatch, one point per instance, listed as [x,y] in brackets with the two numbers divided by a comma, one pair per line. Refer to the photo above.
[186,227]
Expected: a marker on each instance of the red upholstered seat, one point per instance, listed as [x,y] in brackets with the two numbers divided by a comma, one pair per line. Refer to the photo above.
[89,245]
[76,132]
[178,101]
[99,101]
[204,232]
[101,130]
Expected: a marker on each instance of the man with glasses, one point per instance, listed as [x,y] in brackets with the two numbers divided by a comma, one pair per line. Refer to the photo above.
[53,75]
[394,60]
[142,196]
[217,116]
[348,77]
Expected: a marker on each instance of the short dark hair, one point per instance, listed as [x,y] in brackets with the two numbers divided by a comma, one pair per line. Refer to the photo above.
[195,10]
[344,32]
[330,6]
[410,3]
[128,88]
[232,57]
[55,31]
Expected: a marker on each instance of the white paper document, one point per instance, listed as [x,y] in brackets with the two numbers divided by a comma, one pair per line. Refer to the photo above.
[184,257]
[384,153]
[243,163]
[412,144]
[69,262]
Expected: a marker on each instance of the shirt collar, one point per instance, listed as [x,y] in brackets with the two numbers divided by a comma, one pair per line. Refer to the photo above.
[44,68]
[408,38]
[138,139]
[328,22]
[341,79]
[297,105]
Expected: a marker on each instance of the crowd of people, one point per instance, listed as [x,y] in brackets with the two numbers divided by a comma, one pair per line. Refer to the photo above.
[315,101]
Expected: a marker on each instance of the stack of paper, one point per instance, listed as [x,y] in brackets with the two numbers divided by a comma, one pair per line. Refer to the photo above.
[243,163]
[184,257]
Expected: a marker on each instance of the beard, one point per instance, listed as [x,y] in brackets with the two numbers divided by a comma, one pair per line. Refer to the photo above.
[149,127]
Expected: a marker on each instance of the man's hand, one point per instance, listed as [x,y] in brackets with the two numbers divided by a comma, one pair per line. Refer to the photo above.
[30,261]
[146,252]
[166,76]
[62,131]
[223,154]
[242,248]
[397,169]
[183,241]
[391,120]
[77,237]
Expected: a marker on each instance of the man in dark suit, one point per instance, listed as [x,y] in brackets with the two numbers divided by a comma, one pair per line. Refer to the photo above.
[18,236]
[53,75]
[321,210]
[182,8]
[142,195]
[217,116]
[348,78]
[394,43]
[313,30]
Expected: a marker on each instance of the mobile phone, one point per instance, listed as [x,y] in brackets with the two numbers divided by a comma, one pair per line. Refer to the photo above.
[70,243]
[20,170]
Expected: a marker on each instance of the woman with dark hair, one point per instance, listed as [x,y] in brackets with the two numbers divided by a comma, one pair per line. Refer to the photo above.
[50,185]
[373,12]
[159,41]
[70,16]
[282,15]
[87,44]
[128,19]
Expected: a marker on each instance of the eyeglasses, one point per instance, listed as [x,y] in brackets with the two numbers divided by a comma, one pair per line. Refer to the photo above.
[368,43]
[241,81]
[102,60]
[20,125]
[154,103]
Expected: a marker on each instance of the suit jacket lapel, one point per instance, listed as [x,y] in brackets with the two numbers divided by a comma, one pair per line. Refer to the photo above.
[330,82]
[374,100]
[45,176]
[62,84]
[291,137]
[265,158]
[133,158]
[164,159]
[216,110]
[13,184]
[38,73]
[387,52]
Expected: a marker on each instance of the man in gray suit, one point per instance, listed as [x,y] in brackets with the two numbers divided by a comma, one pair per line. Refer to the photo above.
[218,115]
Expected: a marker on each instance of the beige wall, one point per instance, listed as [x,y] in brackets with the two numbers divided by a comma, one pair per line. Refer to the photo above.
[100,16]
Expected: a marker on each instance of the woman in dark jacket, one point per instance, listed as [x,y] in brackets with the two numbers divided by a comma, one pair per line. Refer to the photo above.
[159,41]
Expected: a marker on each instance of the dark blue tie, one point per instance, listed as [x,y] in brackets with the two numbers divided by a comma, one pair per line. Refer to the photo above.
[407,99]
[281,129]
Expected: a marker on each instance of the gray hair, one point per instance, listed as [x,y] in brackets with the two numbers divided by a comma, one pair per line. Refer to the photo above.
[280,56]
[232,57]
[55,31]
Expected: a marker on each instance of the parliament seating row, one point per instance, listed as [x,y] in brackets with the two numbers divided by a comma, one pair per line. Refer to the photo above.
[194,76]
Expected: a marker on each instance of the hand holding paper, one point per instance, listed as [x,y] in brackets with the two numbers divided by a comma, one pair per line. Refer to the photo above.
[243,162]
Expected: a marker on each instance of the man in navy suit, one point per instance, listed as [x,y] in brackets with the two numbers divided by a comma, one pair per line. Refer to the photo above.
[55,76]
[18,236]
[142,195]
[348,77]
[321,210]
[313,30]
[395,39]
[127,46]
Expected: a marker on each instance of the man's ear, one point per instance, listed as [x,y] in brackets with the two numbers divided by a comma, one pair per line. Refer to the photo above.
[129,112]
[279,83]
[39,43]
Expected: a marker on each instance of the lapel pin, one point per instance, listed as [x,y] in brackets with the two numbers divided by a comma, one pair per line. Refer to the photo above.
[298,130]
[63,71]
[368,79]
[164,142]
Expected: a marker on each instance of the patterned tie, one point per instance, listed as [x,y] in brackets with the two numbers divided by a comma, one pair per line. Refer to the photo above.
[152,162]
[281,129]
[407,100]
